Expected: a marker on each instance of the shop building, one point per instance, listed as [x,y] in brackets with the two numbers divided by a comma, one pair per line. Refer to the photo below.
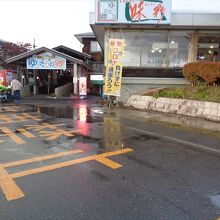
[45,70]
[158,41]
[91,46]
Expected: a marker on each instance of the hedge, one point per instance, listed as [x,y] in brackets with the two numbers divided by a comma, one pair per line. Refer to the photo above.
[209,72]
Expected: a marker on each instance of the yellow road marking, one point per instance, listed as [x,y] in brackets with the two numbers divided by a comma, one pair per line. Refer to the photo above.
[5,119]
[12,122]
[36,159]
[12,191]
[52,135]
[25,117]
[19,117]
[72,162]
[11,109]
[108,162]
[25,133]
[10,134]
[44,126]
[33,117]
[9,187]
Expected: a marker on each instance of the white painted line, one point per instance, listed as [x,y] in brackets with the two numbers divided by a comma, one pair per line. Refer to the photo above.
[187,143]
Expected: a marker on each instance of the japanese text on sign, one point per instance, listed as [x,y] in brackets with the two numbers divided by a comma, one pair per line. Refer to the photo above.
[114,67]
[134,11]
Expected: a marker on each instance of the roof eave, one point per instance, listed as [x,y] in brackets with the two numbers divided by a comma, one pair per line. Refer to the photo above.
[74,51]
[39,50]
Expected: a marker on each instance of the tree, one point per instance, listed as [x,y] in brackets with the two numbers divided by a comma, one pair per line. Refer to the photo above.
[27,46]
[9,49]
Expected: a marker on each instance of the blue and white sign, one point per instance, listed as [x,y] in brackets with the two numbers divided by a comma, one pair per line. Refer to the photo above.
[46,60]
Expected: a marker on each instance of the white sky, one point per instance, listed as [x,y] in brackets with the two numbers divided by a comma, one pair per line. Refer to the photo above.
[55,22]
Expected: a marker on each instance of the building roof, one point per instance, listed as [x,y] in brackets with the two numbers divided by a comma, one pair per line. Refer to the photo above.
[73,53]
[24,56]
[84,35]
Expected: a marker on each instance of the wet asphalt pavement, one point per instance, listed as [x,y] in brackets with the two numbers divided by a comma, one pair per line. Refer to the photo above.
[63,159]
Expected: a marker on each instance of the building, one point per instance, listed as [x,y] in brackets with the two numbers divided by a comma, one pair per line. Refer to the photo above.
[47,69]
[91,46]
[158,40]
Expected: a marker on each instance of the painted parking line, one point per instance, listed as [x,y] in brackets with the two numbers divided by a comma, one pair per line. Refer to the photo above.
[26,133]
[5,119]
[9,109]
[17,118]
[26,117]
[8,185]
[38,159]
[13,192]
[50,135]
[13,136]
[100,158]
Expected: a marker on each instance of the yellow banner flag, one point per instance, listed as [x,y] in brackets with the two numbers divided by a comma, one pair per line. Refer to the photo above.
[108,86]
[113,79]
[113,74]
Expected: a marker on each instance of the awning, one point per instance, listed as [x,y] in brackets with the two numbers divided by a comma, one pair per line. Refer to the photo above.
[97,82]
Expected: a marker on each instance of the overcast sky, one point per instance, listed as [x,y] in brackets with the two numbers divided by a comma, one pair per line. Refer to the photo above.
[55,22]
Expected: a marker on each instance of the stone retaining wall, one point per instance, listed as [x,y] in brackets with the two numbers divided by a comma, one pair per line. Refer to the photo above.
[206,110]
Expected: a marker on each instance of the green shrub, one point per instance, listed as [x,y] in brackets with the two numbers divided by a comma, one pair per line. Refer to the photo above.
[200,93]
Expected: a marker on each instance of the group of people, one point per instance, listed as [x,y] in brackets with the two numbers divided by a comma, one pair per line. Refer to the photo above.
[15,87]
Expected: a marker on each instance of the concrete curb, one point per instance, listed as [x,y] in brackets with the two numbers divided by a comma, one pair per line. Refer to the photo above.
[205,110]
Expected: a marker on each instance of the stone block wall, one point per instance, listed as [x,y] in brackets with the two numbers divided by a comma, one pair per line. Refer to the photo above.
[206,110]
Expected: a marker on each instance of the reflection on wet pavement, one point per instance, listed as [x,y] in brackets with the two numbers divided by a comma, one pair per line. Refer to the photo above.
[101,132]
[80,112]
[100,128]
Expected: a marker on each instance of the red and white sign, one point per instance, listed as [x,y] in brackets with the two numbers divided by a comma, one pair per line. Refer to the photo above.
[82,86]
[5,77]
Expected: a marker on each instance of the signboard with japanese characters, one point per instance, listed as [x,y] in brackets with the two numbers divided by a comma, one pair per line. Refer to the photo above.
[82,86]
[133,11]
[5,77]
[113,74]
[46,60]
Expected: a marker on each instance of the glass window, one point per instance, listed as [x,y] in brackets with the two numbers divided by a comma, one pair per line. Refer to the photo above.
[178,48]
[132,47]
[208,46]
[95,47]
[154,49]
[150,48]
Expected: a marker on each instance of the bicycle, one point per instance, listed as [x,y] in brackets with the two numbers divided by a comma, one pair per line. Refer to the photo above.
[109,101]
[103,100]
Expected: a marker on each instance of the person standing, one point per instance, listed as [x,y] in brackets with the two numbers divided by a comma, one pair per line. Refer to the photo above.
[16,90]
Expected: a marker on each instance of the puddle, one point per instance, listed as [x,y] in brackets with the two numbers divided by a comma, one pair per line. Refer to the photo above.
[99,143]
[80,113]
